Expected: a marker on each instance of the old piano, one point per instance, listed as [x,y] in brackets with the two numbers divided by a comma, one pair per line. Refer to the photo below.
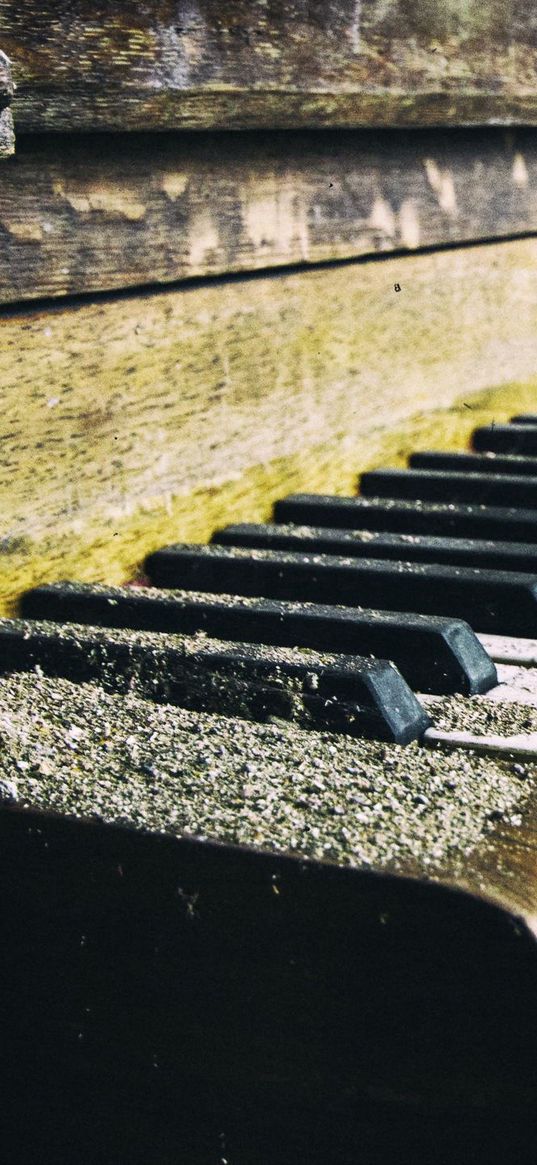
[268,572]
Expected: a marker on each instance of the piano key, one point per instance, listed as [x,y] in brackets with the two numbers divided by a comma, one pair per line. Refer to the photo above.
[475,463]
[386,514]
[524,419]
[489,555]
[498,601]
[519,439]
[523,746]
[500,731]
[509,649]
[516,684]
[173,738]
[431,485]
[433,654]
[351,694]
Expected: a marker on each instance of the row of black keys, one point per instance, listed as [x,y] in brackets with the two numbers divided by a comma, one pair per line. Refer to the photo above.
[309,586]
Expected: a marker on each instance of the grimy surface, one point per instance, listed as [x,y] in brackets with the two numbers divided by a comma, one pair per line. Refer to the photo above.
[77,749]
[248,64]
[82,213]
[285,968]
[355,694]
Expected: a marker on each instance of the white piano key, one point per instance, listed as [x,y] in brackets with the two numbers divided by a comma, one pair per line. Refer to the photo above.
[519,745]
[515,684]
[510,649]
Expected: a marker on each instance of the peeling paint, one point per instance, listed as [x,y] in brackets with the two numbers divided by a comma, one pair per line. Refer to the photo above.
[111,199]
[274,214]
[174,185]
[409,226]
[354,29]
[179,48]
[24,232]
[519,172]
[441,182]
[382,217]
[203,237]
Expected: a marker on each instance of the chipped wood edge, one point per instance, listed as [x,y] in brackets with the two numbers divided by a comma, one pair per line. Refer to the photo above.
[7,90]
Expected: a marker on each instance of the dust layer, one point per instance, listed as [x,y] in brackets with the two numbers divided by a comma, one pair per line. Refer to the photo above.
[81,751]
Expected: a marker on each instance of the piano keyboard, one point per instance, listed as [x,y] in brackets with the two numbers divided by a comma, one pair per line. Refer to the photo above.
[316,728]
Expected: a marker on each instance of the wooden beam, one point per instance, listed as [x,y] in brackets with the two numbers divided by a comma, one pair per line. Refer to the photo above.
[78,215]
[245,64]
[133,421]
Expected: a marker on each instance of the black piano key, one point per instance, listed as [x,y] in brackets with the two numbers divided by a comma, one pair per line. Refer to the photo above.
[435,655]
[524,419]
[475,463]
[519,439]
[489,555]
[351,694]
[489,600]
[504,523]
[431,485]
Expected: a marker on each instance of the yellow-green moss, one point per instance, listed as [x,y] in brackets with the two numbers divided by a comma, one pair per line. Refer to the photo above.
[113,551]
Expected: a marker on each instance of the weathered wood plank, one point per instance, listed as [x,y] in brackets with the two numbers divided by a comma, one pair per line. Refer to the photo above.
[77,215]
[130,422]
[7,88]
[247,63]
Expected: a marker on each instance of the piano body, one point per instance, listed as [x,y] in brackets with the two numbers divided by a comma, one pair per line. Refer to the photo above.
[251,251]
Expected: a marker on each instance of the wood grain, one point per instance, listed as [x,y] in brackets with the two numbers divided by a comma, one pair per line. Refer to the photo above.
[81,214]
[249,64]
[141,419]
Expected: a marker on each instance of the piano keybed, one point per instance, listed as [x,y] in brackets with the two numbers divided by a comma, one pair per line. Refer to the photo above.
[321,727]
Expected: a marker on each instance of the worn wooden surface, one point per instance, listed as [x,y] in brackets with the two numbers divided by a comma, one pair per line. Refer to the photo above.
[86,213]
[7,137]
[248,63]
[141,419]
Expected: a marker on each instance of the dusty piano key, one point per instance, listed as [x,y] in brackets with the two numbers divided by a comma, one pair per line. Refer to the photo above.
[433,654]
[446,485]
[351,694]
[488,600]
[511,649]
[519,439]
[491,740]
[366,544]
[475,463]
[406,517]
